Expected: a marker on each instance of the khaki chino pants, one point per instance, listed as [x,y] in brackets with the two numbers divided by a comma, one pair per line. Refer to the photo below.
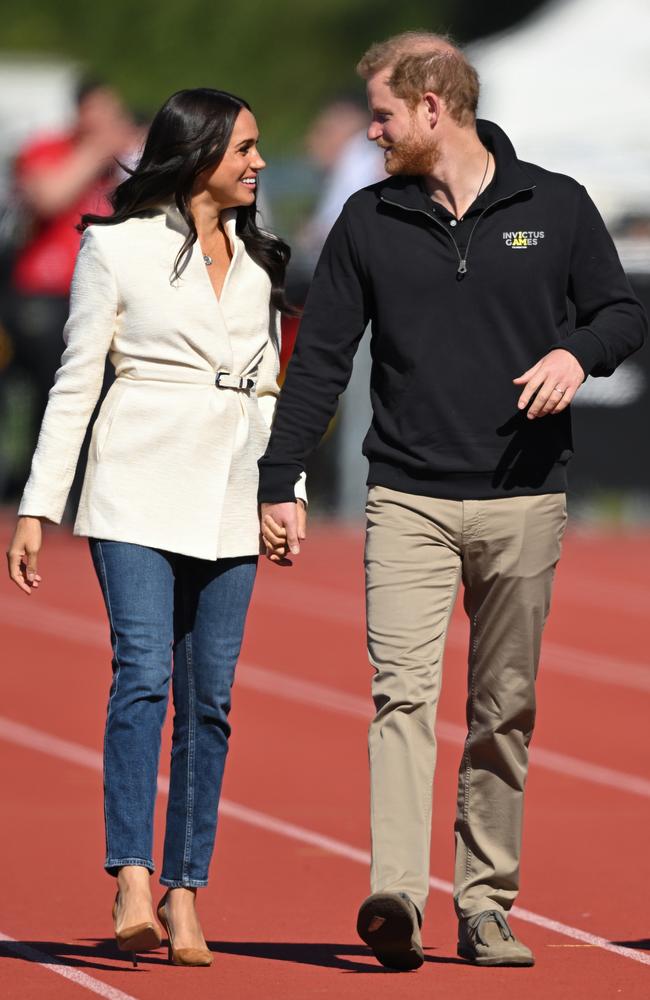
[417,550]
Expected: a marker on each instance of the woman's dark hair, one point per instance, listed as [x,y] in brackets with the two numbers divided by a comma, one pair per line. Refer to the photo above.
[188,135]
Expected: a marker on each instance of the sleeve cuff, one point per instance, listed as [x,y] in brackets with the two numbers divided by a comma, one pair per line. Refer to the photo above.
[277,482]
[28,508]
[585,347]
[300,489]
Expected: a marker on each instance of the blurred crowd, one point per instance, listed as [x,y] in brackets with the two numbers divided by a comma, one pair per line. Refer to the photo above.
[58,175]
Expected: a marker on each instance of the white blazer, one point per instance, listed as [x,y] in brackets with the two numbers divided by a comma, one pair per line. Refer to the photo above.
[173,457]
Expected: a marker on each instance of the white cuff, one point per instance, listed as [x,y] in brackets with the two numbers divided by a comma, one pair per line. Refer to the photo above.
[300,489]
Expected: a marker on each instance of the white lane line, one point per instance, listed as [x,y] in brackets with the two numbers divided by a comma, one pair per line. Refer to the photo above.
[87,630]
[577,588]
[561,659]
[330,605]
[67,971]
[318,695]
[269,823]
[348,609]
[35,739]
[31,613]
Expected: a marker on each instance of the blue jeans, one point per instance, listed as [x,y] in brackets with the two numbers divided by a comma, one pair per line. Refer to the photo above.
[165,608]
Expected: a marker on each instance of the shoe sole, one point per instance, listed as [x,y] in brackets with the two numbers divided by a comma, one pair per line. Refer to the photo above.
[392,942]
[496,963]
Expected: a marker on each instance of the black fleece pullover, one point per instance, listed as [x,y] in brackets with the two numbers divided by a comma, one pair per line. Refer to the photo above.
[458,310]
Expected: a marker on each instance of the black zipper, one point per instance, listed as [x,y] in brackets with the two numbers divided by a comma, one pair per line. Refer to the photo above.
[462,261]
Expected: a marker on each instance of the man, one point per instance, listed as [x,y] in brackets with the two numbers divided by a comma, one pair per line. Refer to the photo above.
[462,261]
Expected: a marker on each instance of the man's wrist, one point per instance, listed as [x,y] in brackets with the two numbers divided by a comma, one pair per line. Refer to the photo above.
[277,482]
[585,348]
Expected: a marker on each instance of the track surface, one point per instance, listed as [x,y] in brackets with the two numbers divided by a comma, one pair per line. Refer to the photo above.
[290,866]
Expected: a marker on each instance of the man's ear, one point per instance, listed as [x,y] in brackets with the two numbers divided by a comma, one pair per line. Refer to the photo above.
[432,107]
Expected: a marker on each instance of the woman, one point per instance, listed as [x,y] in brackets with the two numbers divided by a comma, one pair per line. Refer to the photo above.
[184,293]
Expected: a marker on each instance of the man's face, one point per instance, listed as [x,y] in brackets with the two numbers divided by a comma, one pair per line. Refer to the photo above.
[403,133]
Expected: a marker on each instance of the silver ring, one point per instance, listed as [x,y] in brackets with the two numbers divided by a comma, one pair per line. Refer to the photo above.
[557,389]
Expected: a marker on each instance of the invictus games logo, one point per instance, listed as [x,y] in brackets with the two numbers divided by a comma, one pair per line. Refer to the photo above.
[523,239]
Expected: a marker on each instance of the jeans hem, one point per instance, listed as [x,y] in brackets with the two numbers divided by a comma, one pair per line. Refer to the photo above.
[112,864]
[184,883]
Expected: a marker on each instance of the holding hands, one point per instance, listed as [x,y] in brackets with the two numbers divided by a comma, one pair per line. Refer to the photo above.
[283,526]
[553,382]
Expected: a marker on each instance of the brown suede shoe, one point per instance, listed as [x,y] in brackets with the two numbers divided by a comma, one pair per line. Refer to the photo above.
[486,939]
[389,923]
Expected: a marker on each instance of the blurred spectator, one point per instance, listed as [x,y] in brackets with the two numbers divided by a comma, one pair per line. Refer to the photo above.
[338,145]
[57,178]
[129,158]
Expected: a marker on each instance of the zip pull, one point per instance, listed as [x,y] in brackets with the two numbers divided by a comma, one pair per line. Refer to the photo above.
[462,267]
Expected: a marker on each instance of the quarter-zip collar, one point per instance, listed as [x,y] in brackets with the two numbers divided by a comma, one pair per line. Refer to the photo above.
[511,177]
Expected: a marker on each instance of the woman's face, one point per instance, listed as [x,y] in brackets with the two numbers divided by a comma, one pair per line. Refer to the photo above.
[234,181]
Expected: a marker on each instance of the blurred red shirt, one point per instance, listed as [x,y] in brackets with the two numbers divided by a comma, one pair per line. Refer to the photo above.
[45,263]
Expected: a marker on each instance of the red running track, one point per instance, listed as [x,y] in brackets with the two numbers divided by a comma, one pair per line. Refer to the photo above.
[290,867]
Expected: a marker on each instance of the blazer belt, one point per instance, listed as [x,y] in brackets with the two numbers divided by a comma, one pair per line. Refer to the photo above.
[224,380]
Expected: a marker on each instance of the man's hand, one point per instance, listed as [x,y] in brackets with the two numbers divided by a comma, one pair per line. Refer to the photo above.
[555,380]
[284,526]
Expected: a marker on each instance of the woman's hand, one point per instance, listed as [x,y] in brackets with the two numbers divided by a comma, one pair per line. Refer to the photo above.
[22,556]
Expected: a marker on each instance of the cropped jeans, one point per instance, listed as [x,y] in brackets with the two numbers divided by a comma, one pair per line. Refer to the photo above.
[167,610]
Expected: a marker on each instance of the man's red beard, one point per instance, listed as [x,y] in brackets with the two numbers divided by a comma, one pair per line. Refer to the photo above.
[412,156]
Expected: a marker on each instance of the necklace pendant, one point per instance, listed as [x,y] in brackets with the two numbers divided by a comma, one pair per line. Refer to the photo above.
[207,260]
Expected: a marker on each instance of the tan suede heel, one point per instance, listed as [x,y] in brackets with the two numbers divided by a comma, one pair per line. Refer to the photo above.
[182,956]
[139,937]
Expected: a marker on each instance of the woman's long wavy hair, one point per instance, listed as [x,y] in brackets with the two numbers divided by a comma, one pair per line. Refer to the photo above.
[188,135]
